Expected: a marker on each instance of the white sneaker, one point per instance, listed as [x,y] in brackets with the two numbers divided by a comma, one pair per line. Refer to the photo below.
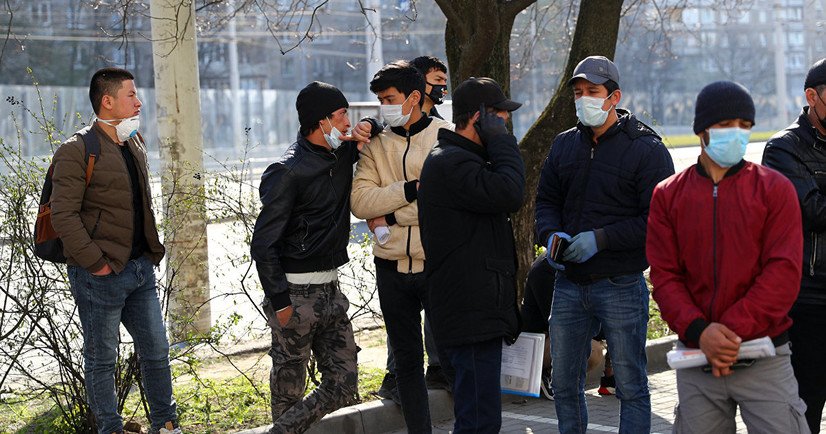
[545,387]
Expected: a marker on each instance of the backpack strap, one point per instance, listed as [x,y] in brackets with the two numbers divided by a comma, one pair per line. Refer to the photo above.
[92,145]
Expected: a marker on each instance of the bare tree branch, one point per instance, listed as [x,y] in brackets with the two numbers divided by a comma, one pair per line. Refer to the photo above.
[513,7]
[8,29]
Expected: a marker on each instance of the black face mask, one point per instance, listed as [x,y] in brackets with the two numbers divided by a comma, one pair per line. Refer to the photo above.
[437,93]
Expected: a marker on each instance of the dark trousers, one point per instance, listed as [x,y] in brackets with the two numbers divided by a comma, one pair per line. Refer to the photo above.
[477,391]
[808,337]
[402,297]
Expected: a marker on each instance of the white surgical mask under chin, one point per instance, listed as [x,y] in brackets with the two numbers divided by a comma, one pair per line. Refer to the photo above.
[126,129]
[334,137]
[392,114]
[589,110]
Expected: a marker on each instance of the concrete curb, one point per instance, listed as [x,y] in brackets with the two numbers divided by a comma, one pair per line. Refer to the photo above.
[372,417]
[384,415]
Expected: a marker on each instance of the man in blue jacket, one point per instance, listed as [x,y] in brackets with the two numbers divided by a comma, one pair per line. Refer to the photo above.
[594,192]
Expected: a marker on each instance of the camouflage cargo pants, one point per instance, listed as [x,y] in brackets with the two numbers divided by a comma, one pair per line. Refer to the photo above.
[319,324]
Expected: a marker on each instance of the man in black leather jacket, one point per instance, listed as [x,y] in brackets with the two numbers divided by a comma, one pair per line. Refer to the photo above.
[299,241]
[799,152]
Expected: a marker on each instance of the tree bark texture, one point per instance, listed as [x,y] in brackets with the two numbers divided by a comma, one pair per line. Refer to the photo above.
[179,128]
[477,38]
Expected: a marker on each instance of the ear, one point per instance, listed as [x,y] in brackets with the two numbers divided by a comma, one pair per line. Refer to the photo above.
[416,97]
[107,102]
[811,96]
[616,97]
[703,135]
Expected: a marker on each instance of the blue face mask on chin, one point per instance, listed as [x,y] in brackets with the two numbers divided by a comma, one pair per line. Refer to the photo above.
[727,146]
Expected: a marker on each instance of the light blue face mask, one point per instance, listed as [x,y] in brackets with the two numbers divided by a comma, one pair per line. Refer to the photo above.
[589,110]
[727,146]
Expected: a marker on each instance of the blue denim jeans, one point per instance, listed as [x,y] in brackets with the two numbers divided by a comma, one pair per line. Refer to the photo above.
[620,304]
[477,390]
[103,303]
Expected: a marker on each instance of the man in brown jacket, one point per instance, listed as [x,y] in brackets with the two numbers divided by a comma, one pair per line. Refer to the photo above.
[384,191]
[111,246]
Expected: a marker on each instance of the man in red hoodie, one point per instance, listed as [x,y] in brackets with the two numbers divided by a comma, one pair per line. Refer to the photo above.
[724,243]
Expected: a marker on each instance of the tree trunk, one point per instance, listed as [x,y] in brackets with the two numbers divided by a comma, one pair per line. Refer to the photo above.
[596,33]
[179,128]
[477,38]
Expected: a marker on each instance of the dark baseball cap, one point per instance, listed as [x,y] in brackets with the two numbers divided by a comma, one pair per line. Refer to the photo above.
[596,69]
[468,96]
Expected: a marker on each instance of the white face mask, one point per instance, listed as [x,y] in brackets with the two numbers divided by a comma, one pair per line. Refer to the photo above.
[589,110]
[334,138]
[392,114]
[127,128]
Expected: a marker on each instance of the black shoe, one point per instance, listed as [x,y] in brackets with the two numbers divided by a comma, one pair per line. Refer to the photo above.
[389,389]
[434,378]
[545,390]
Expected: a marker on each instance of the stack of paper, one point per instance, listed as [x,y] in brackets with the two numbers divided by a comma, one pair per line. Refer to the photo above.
[682,357]
[522,364]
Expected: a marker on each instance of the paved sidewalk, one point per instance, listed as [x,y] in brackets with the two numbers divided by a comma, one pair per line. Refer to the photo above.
[534,415]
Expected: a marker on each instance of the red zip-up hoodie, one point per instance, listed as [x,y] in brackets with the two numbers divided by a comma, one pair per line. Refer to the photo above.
[729,252]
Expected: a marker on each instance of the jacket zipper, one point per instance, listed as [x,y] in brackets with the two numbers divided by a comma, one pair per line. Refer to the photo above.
[306,233]
[713,254]
[409,228]
[813,259]
[333,184]
[585,185]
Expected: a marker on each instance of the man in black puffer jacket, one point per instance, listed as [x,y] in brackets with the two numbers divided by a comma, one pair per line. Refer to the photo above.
[799,152]
[470,183]
[300,239]
[594,191]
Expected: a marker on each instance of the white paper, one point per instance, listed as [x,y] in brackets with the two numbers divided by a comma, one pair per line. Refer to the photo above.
[522,364]
[682,357]
[382,234]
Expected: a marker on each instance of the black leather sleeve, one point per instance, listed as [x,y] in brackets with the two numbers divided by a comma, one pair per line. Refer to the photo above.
[779,154]
[278,192]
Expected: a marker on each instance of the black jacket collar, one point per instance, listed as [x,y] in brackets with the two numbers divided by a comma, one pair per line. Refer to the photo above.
[447,137]
[623,116]
[808,132]
[731,171]
[416,128]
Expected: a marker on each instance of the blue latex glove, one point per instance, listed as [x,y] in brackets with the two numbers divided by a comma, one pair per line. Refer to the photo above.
[583,246]
[556,265]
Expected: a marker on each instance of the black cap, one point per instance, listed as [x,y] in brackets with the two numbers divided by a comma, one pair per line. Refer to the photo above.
[596,69]
[720,101]
[816,75]
[468,96]
[316,101]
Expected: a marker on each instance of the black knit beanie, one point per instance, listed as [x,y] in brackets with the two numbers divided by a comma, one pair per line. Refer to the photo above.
[722,100]
[316,101]
[816,75]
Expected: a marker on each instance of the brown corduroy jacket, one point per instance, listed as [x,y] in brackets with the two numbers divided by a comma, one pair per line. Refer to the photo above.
[95,223]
